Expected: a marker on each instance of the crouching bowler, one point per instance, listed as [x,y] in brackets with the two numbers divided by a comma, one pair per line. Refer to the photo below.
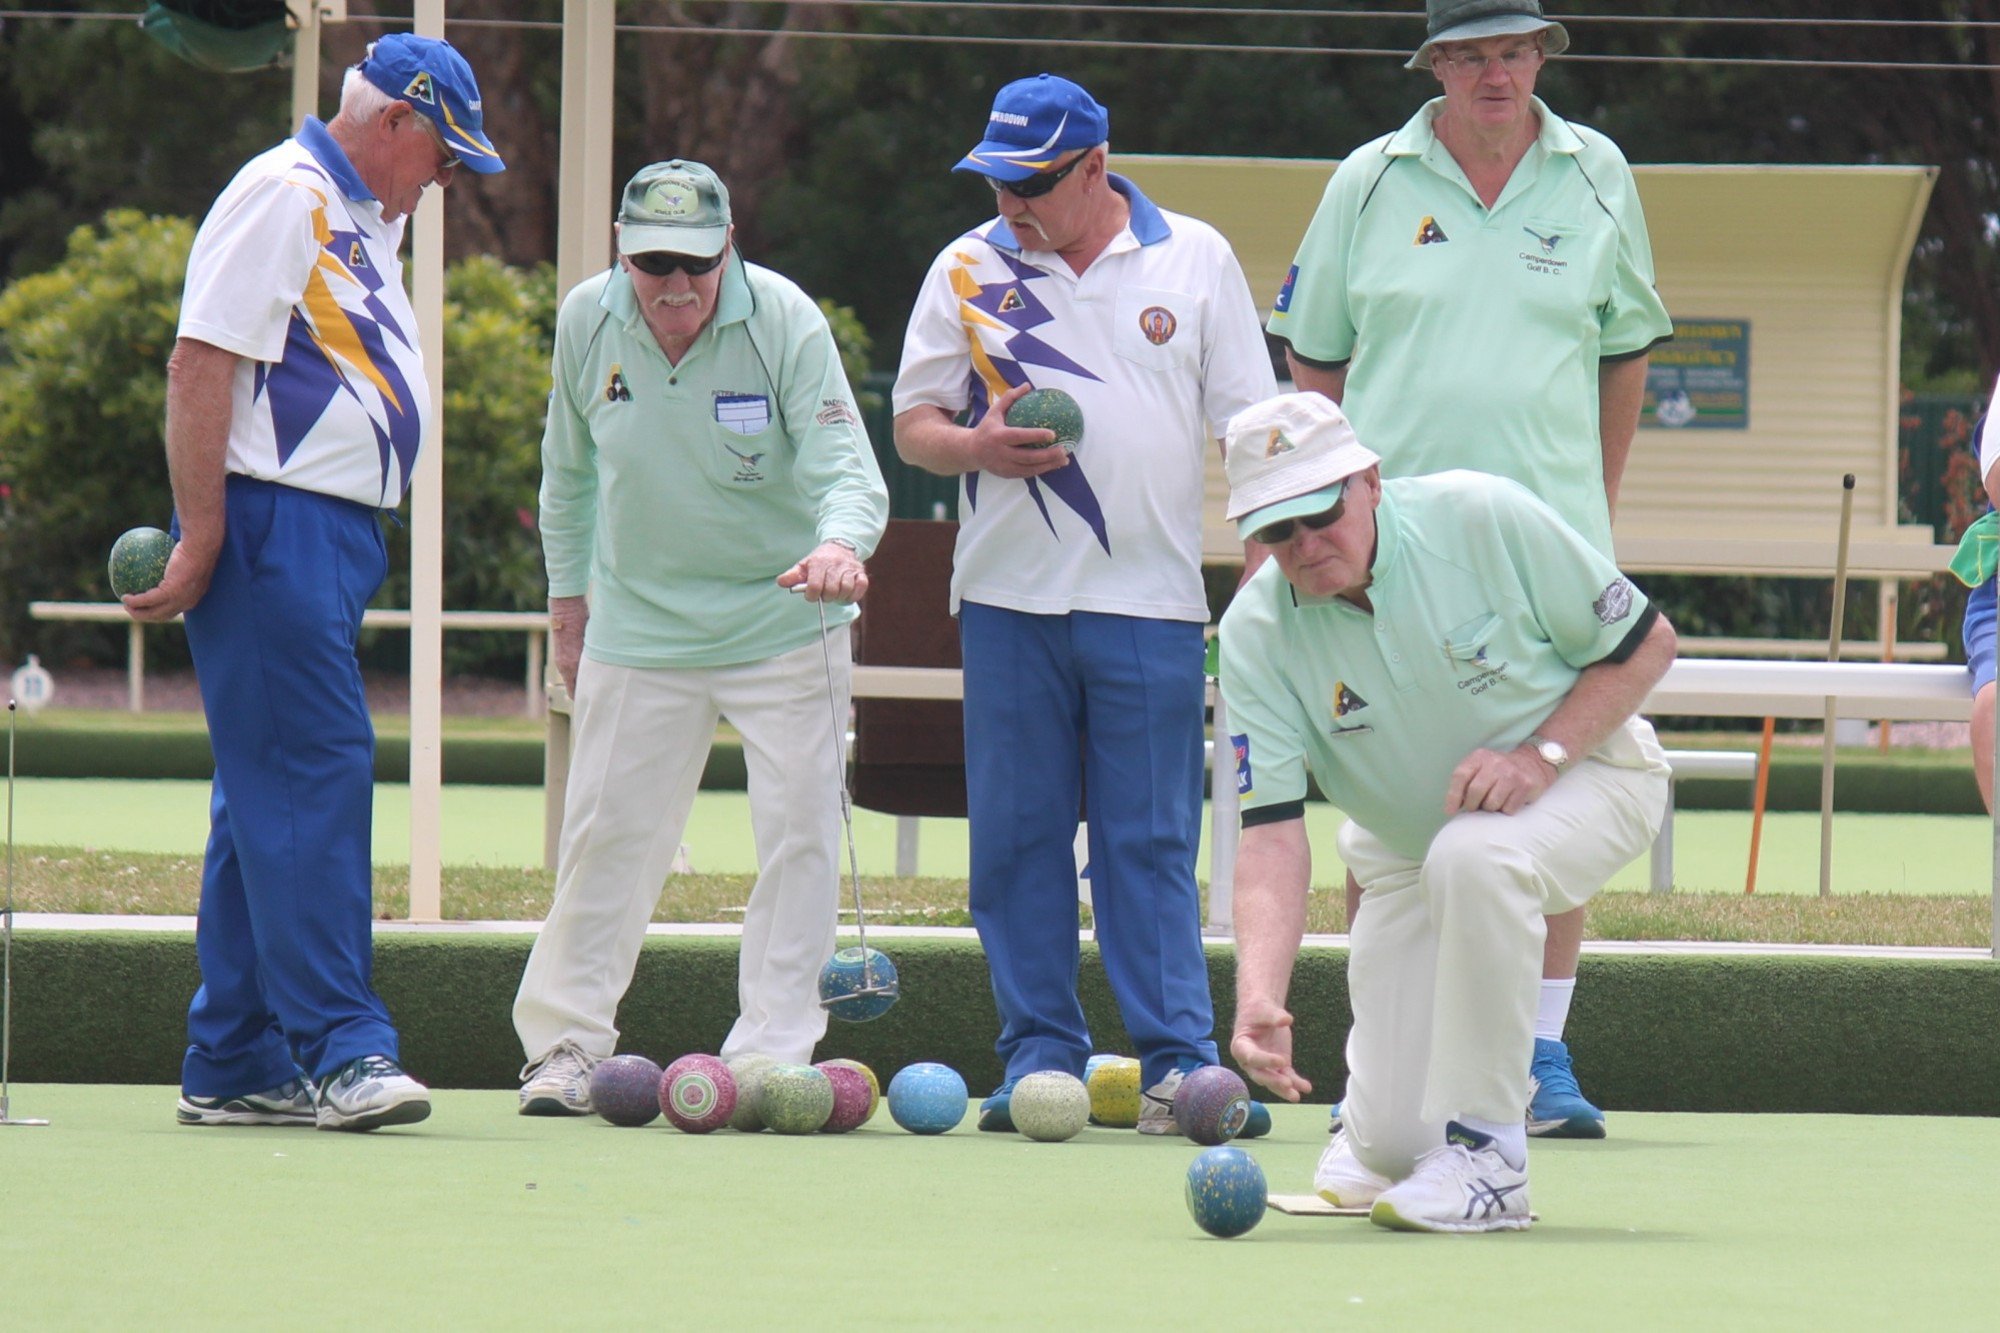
[1459,669]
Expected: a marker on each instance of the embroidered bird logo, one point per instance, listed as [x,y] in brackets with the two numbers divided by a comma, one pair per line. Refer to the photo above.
[1549,243]
[747,460]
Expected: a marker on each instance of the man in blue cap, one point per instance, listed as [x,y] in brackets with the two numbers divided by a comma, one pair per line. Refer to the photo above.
[296,406]
[1077,578]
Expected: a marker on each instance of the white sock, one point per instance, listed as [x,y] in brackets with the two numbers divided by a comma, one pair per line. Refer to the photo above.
[1511,1140]
[1553,1012]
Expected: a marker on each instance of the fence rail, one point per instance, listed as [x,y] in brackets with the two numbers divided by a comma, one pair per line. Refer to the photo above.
[535,624]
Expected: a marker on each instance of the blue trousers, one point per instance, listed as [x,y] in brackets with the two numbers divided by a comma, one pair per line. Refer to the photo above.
[284,936]
[1054,706]
[1979,616]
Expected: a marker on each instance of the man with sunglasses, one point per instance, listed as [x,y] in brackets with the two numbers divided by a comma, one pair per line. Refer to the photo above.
[1077,579]
[702,463]
[1460,670]
[296,406]
[1492,259]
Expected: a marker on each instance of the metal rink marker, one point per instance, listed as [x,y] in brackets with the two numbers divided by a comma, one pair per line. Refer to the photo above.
[7,968]
[869,985]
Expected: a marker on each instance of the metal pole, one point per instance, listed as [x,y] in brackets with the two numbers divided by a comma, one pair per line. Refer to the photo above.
[427,552]
[7,968]
[1832,721]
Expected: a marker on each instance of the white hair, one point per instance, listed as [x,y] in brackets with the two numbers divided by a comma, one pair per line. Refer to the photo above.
[360,100]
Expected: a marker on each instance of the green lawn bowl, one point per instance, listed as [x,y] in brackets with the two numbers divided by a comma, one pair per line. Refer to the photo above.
[139,561]
[1051,410]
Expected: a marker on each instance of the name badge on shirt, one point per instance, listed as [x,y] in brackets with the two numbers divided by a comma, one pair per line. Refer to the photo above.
[744,413]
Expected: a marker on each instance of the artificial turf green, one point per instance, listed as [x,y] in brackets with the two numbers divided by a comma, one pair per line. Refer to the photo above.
[502,826]
[116,1217]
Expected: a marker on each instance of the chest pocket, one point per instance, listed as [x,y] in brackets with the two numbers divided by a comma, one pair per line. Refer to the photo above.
[1470,646]
[1158,329]
[741,441]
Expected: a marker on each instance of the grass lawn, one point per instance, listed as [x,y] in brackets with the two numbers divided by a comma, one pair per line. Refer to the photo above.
[109,846]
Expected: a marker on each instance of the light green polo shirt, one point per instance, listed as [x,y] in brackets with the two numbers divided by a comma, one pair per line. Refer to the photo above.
[674,495]
[1475,336]
[1486,609]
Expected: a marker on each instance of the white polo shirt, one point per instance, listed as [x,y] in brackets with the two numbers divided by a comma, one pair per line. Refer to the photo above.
[1157,340]
[295,271]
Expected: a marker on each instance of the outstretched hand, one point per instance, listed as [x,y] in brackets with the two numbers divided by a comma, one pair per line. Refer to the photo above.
[1262,1045]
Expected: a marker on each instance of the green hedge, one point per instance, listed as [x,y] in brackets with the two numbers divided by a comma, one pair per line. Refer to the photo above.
[1650,1033]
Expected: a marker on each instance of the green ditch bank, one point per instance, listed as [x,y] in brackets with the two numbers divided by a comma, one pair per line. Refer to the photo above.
[1650,1033]
[1866,781]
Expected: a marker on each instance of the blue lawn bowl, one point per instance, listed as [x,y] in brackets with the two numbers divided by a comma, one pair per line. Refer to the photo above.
[858,985]
[927,1098]
[1226,1193]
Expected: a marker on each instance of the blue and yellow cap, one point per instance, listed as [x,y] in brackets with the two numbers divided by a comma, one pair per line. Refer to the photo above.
[1032,124]
[432,77]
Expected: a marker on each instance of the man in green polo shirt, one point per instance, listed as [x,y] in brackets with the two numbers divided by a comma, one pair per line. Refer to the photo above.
[703,461]
[1491,259]
[1460,671]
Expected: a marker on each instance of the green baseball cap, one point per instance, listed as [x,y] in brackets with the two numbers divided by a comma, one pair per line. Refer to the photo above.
[679,207]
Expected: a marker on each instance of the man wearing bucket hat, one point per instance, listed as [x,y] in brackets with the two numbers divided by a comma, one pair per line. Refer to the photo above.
[1459,670]
[296,406]
[1077,578]
[1492,237]
[703,460]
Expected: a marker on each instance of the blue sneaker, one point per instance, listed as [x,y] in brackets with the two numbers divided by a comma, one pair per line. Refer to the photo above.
[996,1113]
[1557,1109]
[1335,1127]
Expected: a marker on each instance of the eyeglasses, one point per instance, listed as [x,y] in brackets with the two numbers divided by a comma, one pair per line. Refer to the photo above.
[452,161]
[1034,187]
[659,263]
[1277,534]
[1514,59]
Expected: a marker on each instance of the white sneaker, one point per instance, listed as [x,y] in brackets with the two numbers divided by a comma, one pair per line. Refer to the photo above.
[1156,1105]
[559,1082]
[290,1103]
[368,1092]
[1464,1186]
[1342,1180]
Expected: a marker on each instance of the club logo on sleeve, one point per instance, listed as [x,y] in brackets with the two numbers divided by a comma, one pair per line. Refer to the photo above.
[1011,302]
[1346,703]
[834,412]
[1284,301]
[1241,744]
[1615,602]
[1158,324]
[615,388]
[1429,233]
[356,256]
[743,413]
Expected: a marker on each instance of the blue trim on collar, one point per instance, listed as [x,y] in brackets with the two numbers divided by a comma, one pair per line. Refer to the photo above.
[326,150]
[1148,224]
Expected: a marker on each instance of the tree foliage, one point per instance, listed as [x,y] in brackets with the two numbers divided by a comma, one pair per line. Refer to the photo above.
[83,351]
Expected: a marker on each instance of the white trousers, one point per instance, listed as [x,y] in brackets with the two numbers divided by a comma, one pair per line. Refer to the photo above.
[641,737]
[1445,958]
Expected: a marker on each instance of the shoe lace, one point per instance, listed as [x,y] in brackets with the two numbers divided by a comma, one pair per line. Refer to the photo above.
[553,1060]
[371,1066]
[1553,1073]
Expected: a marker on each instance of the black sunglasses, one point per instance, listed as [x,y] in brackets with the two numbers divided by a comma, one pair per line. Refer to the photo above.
[1034,187]
[659,263]
[1277,534]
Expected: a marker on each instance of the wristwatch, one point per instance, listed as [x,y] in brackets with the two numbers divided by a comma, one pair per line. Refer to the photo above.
[852,549]
[1552,752]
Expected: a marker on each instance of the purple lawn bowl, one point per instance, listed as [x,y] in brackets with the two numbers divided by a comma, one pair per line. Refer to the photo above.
[1212,1105]
[625,1090]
